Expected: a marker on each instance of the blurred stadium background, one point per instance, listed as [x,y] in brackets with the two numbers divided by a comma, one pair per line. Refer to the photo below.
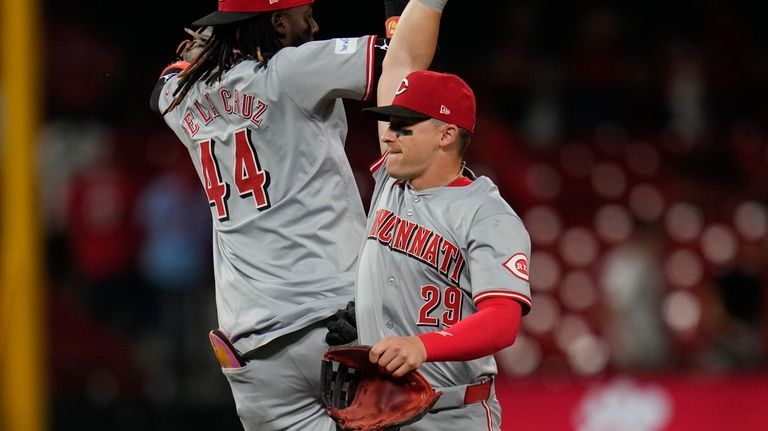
[631,139]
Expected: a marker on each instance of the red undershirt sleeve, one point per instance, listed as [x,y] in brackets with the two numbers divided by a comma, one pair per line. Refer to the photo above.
[491,329]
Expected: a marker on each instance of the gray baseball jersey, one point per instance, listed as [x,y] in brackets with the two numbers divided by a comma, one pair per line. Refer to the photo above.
[429,256]
[268,146]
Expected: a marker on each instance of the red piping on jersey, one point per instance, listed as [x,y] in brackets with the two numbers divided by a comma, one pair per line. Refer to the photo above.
[499,293]
[488,415]
[377,164]
[369,68]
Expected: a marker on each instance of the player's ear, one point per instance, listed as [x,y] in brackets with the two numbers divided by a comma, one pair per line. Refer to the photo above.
[278,23]
[449,135]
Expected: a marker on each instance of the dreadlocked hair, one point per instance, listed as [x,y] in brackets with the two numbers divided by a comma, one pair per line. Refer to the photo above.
[228,45]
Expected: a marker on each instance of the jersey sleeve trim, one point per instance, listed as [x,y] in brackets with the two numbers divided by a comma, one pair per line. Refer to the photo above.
[369,68]
[378,163]
[499,293]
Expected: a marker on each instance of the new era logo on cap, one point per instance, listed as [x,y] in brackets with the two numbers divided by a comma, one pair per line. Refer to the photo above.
[424,93]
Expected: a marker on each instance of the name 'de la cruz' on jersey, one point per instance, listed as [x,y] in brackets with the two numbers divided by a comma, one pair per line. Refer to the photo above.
[234,102]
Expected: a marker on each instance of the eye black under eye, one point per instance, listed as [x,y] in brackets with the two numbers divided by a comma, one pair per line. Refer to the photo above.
[403,132]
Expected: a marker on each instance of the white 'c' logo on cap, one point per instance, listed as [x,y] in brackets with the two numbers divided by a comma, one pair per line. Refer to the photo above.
[403,86]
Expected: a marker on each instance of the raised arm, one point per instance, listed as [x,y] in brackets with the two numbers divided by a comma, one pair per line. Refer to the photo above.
[412,48]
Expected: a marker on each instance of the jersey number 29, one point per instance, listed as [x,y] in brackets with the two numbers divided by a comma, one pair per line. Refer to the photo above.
[250,179]
[451,300]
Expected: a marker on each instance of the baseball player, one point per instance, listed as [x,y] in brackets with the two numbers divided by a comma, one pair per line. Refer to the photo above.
[442,278]
[258,106]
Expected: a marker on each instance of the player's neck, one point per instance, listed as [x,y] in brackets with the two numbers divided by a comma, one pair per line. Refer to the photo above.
[437,178]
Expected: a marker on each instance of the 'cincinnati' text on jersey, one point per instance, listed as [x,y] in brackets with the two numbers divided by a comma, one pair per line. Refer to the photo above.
[418,242]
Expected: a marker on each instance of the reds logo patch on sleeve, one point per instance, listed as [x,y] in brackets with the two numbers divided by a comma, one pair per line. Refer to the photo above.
[518,265]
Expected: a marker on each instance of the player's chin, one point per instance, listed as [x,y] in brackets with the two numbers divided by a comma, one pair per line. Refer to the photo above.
[399,174]
[395,171]
[394,160]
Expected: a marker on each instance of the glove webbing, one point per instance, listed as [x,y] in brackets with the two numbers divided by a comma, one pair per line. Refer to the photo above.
[340,385]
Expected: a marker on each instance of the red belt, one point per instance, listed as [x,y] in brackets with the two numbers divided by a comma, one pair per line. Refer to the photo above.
[478,392]
[453,399]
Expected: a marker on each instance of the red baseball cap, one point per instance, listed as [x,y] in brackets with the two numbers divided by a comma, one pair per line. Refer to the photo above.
[238,10]
[426,94]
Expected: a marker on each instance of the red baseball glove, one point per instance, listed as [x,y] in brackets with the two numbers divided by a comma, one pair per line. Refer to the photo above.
[361,398]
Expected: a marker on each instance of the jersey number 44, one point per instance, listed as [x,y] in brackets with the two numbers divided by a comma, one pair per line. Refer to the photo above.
[250,179]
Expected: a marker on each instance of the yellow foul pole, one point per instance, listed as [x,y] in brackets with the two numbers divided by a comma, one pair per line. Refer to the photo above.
[22,371]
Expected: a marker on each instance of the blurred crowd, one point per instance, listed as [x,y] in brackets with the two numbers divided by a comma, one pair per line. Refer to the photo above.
[630,139]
